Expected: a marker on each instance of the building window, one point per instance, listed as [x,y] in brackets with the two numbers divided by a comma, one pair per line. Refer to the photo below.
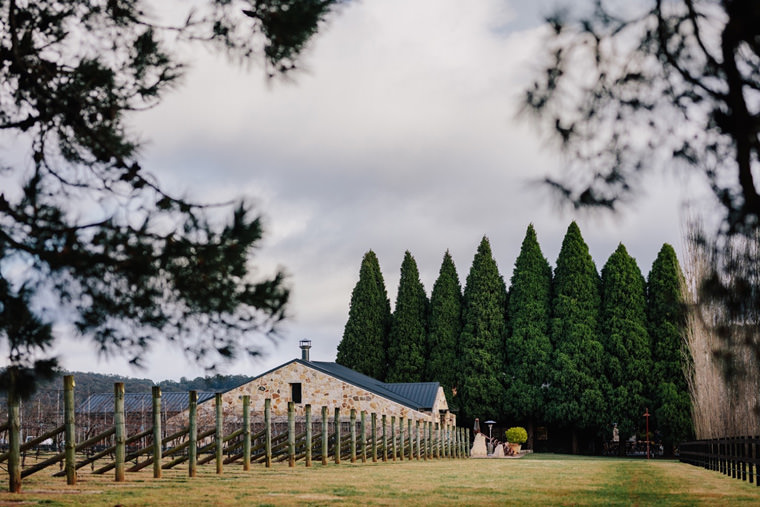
[295,392]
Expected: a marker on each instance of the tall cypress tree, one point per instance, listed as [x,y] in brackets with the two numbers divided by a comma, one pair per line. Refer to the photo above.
[444,327]
[626,340]
[406,343]
[365,336]
[666,315]
[528,346]
[482,341]
[575,396]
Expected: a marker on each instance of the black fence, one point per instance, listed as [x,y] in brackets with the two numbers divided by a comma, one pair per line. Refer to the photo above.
[736,457]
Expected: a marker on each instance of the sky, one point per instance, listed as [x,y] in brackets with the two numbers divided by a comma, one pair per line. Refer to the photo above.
[401,133]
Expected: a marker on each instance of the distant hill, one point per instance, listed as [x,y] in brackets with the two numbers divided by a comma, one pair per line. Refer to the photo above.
[102,383]
[87,383]
[45,408]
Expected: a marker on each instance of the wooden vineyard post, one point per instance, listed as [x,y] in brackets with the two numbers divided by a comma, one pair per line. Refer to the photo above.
[268,431]
[433,440]
[436,439]
[455,442]
[325,447]
[14,452]
[363,438]
[118,422]
[453,450]
[337,435]
[353,435]
[192,449]
[69,432]
[467,442]
[219,432]
[423,440]
[419,441]
[156,392]
[393,437]
[440,437]
[246,432]
[410,438]
[401,438]
[373,436]
[307,416]
[446,441]
[429,452]
[441,444]
[291,434]
[385,440]
[452,439]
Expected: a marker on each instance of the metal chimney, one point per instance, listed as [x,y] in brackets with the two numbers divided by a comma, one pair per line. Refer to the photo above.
[305,346]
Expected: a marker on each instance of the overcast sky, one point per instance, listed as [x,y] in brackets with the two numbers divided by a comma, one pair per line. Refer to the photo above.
[401,135]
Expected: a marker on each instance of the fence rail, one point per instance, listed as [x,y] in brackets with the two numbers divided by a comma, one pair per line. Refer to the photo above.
[342,437]
[736,457]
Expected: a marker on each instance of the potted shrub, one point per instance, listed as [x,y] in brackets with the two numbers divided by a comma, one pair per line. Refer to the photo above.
[516,437]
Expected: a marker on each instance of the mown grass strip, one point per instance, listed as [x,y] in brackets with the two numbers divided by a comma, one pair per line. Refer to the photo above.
[534,480]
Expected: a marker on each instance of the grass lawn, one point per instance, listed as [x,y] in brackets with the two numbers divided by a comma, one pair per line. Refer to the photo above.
[541,479]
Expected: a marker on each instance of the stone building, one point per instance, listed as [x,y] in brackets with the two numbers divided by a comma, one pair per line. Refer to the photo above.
[327,384]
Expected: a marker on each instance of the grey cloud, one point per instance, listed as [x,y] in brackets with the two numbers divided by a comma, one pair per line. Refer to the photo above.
[400,136]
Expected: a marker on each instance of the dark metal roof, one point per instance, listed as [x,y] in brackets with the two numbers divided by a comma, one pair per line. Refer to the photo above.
[419,395]
[338,370]
[423,393]
[139,402]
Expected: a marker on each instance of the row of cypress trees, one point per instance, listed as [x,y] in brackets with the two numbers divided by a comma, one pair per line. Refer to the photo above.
[567,347]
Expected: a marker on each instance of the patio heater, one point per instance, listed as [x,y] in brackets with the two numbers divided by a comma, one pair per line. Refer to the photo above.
[490,428]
